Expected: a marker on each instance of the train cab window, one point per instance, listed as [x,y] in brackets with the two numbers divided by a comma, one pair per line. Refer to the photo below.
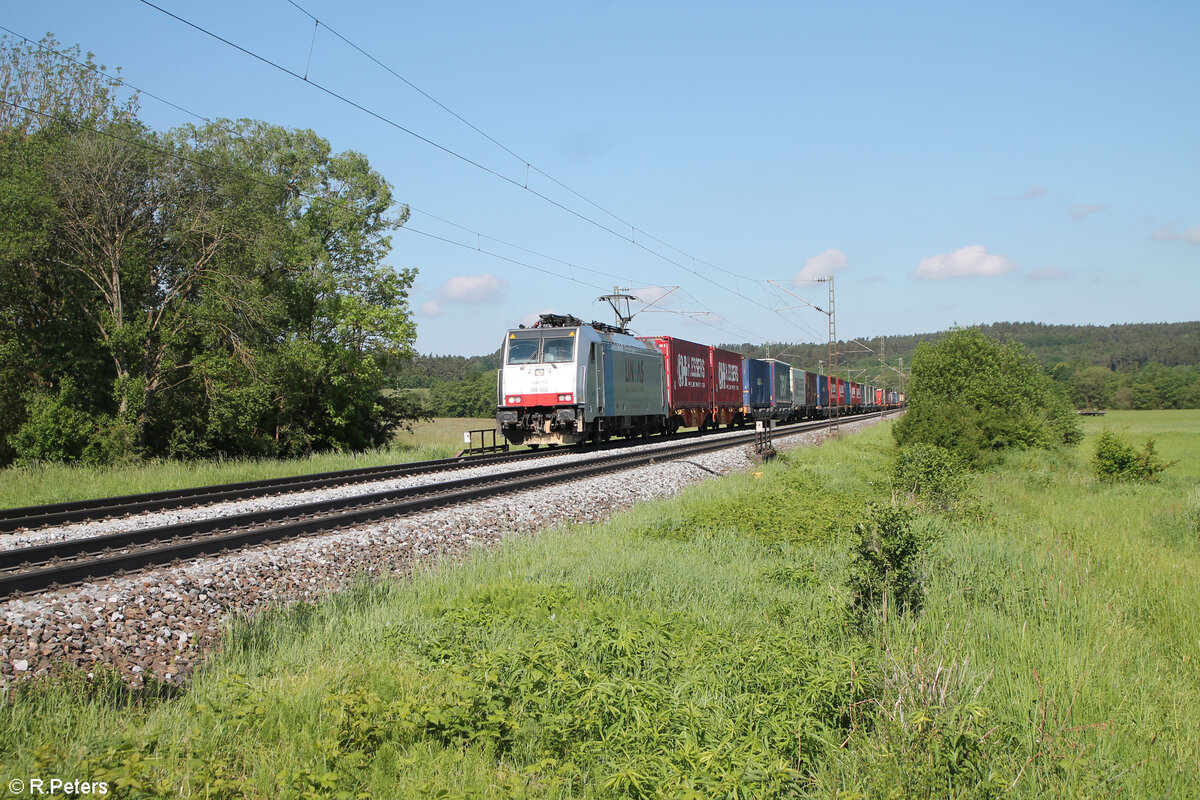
[523,351]
[558,350]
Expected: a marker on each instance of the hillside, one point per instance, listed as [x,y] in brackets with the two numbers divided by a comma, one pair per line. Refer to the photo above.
[1120,348]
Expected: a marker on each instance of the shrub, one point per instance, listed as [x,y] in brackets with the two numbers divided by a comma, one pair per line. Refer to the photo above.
[57,430]
[977,397]
[1117,460]
[930,472]
[887,561]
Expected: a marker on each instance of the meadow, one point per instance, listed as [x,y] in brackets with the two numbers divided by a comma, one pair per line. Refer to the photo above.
[56,483]
[714,645]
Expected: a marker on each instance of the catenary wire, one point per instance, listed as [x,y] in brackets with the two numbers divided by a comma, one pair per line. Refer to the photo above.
[631,239]
[708,313]
[283,187]
[524,161]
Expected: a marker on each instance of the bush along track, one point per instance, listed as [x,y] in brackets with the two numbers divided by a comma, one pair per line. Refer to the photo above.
[815,628]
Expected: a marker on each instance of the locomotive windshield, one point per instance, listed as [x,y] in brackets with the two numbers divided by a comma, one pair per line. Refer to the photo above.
[557,350]
[544,351]
[523,351]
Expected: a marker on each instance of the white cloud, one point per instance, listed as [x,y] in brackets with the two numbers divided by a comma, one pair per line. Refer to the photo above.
[823,264]
[431,308]
[874,279]
[964,263]
[1167,233]
[1035,190]
[1048,273]
[1081,210]
[473,289]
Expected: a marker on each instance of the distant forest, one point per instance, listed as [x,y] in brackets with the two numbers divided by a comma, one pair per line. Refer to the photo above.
[1146,365]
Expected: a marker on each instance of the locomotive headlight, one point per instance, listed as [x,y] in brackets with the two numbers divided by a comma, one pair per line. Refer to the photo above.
[513,399]
[566,398]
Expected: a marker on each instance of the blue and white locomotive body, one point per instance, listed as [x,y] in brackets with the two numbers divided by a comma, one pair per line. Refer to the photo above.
[565,381]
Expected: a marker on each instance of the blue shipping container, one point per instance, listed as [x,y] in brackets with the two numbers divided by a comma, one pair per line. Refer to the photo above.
[756,383]
[781,385]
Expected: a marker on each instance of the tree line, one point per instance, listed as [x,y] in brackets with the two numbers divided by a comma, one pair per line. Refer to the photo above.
[1135,366]
[216,289]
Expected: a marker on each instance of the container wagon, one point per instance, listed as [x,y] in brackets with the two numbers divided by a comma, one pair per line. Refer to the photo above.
[781,389]
[727,388]
[756,389]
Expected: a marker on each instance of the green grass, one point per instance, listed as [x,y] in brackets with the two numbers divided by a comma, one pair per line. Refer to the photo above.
[57,483]
[708,646]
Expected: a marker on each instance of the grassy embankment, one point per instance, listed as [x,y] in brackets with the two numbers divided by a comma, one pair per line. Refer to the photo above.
[56,483]
[707,646]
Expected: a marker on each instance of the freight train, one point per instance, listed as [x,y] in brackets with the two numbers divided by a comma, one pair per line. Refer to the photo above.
[564,381]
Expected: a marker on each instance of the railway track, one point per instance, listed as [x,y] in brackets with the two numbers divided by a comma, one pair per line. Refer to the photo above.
[32,517]
[48,566]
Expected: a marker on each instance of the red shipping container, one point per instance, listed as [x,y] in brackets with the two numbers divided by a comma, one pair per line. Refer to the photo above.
[727,388]
[689,383]
[727,398]
[810,389]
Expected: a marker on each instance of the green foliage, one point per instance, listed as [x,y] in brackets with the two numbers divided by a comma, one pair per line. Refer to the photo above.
[938,745]
[928,472]
[590,689]
[474,396]
[1148,386]
[795,506]
[1050,659]
[1143,366]
[1117,460]
[55,429]
[215,290]
[887,560]
[427,371]
[1191,512]
[40,86]
[977,397]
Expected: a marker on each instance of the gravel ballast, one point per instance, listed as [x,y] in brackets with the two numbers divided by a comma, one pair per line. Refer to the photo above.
[161,622]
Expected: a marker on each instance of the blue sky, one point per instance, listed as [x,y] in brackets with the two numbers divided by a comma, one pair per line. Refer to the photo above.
[952,163]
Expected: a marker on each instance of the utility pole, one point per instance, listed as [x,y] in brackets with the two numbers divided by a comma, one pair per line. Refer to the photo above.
[834,395]
[882,364]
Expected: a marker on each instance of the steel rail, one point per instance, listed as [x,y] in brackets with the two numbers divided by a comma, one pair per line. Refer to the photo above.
[104,556]
[28,517]
[40,516]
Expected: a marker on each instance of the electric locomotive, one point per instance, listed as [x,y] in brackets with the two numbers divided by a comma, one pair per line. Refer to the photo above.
[565,381]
